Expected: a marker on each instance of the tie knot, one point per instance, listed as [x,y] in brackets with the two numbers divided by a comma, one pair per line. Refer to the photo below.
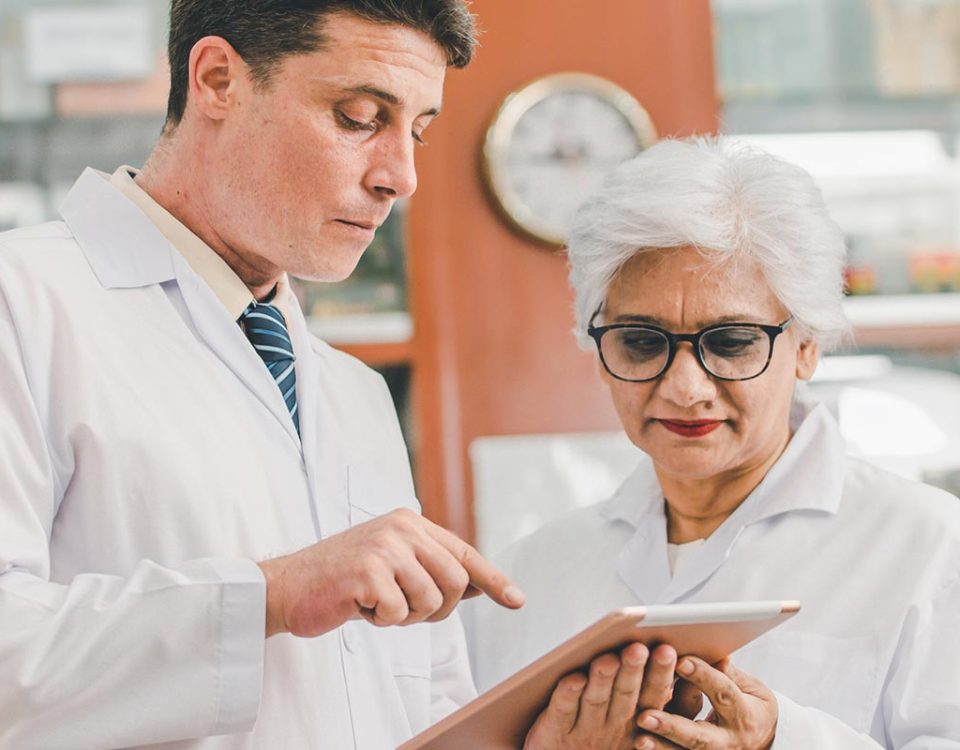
[267,331]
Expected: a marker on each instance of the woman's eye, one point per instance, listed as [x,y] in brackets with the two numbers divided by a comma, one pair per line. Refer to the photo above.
[642,344]
[732,344]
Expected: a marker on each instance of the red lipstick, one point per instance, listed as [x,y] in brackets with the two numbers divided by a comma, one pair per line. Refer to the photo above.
[691,429]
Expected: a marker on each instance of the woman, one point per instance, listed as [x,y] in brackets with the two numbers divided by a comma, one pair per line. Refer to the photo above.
[708,277]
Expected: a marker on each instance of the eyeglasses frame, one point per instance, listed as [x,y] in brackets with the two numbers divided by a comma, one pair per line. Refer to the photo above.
[673,339]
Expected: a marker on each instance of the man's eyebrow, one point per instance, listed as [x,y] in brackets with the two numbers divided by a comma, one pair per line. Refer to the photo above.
[386,96]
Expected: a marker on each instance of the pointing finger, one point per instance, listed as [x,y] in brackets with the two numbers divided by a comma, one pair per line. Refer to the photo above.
[483,575]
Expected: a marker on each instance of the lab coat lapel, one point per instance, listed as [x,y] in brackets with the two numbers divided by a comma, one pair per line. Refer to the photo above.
[642,563]
[227,340]
[323,456]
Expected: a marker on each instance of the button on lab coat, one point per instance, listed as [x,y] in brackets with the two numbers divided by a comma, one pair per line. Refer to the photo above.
[871,660]
[146,460]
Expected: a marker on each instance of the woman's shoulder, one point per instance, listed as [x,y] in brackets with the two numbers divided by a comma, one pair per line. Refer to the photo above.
[870,490]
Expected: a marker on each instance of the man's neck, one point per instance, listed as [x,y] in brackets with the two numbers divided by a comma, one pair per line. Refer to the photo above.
[180,190]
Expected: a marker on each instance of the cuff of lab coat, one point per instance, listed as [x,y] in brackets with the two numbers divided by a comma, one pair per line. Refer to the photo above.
[242,621]
[794,728]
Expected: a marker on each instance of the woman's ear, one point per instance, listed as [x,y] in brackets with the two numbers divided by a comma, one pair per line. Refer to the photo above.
[808,354]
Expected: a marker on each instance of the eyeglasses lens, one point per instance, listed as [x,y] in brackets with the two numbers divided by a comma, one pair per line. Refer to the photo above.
[735,353]
[635,353]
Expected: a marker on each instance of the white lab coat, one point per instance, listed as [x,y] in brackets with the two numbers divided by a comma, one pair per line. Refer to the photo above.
[871,660]
[146,460]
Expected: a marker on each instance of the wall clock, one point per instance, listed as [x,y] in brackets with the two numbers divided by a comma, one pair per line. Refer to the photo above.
[550,144]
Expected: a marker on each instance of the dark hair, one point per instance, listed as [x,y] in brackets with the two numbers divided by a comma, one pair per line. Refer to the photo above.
[263,32]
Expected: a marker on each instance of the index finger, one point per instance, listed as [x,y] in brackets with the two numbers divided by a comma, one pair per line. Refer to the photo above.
[484,577]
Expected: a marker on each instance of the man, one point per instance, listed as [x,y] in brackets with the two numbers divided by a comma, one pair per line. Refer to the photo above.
[183,469]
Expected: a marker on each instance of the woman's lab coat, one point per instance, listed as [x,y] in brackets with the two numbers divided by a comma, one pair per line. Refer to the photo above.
[146,460]
[871,660]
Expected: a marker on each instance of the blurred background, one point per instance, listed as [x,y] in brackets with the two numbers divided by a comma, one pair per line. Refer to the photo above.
[469,319]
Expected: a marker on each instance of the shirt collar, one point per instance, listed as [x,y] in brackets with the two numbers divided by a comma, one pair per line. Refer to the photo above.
[806,477]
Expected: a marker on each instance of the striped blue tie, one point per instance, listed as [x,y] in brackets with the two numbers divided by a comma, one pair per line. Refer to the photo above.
[265,327]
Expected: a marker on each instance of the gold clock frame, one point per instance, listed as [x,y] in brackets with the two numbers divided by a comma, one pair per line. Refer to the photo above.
[500,131]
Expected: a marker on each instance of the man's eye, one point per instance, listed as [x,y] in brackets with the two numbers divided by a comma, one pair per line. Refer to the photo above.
[350,124]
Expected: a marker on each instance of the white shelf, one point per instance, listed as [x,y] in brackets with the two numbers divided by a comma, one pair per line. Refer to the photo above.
[903,310]
[368,328]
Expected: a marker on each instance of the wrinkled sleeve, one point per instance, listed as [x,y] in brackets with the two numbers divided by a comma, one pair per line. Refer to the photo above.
[105,661]
[801,728]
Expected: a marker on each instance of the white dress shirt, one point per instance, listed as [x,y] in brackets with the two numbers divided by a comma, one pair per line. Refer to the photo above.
[147,459]
[870,662]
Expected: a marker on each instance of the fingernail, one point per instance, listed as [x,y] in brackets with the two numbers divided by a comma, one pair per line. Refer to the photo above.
[664,658]
[649,722]
[645,744]
[686,667]
[514,595]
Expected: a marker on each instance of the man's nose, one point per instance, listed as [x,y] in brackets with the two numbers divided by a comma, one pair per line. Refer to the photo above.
[393,173]
[685,382]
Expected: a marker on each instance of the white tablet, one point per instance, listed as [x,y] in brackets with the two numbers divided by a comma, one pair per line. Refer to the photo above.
[500,718]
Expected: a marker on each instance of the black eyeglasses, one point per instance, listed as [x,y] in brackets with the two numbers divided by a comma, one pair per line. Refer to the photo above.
[727,351]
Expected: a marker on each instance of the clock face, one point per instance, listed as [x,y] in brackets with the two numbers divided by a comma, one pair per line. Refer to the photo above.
[551,145]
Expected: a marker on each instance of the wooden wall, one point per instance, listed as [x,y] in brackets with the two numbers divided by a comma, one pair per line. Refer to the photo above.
[492,352]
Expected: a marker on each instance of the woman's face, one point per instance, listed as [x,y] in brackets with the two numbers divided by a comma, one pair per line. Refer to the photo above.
[681,292]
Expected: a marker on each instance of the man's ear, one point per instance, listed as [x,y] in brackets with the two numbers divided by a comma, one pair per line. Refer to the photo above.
[217,74]
[808,354]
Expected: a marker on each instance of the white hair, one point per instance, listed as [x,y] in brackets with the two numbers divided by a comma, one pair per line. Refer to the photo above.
[730,201]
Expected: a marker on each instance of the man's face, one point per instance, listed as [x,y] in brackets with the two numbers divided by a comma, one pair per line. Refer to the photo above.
[309,166]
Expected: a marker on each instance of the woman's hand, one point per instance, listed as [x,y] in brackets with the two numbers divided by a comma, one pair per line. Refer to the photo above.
[599,712]
[744,715]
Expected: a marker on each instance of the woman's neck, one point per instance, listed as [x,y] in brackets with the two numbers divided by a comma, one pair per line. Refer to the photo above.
[695,508]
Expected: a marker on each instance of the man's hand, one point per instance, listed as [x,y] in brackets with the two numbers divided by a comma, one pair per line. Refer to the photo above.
[598,712]
[744,715]
[395,570]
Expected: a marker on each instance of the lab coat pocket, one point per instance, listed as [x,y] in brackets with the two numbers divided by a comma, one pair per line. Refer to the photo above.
[837,675]
[409,656]
[372,495]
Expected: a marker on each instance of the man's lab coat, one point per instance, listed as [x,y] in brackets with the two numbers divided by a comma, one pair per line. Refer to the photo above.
[872,659]
[146,461]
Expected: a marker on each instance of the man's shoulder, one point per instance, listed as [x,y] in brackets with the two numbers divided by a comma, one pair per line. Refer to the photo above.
[342,360]
[26,237]
[347,370]
[43,251]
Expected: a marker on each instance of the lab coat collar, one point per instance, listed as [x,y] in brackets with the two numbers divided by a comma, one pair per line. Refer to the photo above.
[125,251]
[808,477]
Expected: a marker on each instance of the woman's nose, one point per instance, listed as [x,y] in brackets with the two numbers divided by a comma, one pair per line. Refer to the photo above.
[685,382]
